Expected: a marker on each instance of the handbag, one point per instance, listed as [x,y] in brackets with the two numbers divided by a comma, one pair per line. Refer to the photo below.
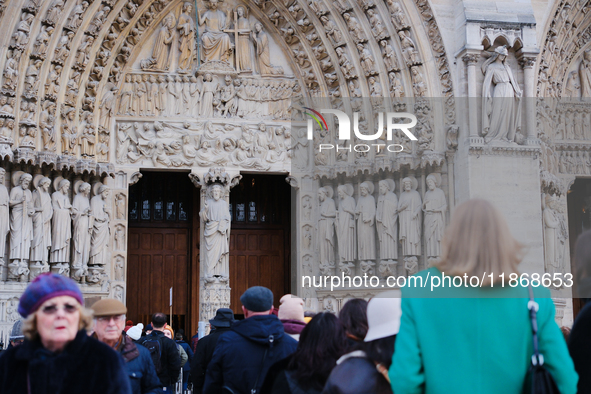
[538,379]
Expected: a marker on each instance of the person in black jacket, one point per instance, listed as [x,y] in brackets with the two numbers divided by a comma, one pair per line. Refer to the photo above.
[304,371]
[244,354]
[169,365]
[221,323]
[579,342]
[57,355]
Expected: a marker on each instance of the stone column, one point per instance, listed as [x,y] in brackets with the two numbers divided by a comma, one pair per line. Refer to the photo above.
[471,59]
[528,62]
[214,278]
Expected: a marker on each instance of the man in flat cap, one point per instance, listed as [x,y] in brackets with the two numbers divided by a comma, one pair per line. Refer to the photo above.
[109,323]
[244,354]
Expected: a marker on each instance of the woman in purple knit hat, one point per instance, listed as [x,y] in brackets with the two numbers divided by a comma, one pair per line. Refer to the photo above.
[57,355]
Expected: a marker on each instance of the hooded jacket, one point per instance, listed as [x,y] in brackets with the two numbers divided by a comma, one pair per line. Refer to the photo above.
[244,354]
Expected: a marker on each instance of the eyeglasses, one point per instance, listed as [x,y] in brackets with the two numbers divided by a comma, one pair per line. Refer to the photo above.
[52,309]
[106,319]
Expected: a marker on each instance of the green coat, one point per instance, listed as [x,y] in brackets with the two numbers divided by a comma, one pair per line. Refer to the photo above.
[475,342]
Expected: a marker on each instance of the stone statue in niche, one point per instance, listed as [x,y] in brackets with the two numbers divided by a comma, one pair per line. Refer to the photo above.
[82,225]
[186,29]
[61,228]
[40,47]
[21,226]
[119,268]
[88,138]
[120,238]
[101,214]
[120,206]
[390,59]
[418,84]
[387,226]
[332,30]
[346,234]
[216,43]
[326,229]
[118,294]
[107,106]
[367,60]
[585,74]
[54,12]
[46,122]
[261,41]
[76,16]
[409,50]
[377,25]
[160,54]
[365,212]
[69,132]
[409,215]
[21,37]
[398,16]
[41,243]
[216,218]
[552,235]
[434,207]
[355,28]
[11,70]
[4,215]
[501,99]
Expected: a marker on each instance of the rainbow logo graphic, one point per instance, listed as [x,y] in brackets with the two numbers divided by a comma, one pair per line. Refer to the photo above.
[322,124]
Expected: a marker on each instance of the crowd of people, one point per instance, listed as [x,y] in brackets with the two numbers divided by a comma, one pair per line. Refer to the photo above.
[457,340]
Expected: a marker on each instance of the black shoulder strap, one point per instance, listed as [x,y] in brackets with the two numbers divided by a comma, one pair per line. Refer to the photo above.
[533,306]
[256,382]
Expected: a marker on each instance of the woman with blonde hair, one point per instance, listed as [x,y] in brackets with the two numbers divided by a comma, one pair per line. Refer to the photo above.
[57,355]
[475,339]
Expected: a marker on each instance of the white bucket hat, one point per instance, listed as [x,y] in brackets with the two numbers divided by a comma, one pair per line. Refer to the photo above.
[383,317]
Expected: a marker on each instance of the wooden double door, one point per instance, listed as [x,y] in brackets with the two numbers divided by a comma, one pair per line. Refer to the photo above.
[163,244]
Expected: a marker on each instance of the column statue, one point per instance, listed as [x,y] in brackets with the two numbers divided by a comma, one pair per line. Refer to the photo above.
[346,235]
[387,225]
[326,232]
[434,207]
[61,229]
[99,239]
[216,218]
[409,211]
[21,226]
[4,215]
[83,225]
[41,244]
[366,229]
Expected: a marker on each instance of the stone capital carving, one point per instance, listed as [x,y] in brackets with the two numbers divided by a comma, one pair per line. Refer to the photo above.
[134,178]
[471,58]
[215,175]
[527,61]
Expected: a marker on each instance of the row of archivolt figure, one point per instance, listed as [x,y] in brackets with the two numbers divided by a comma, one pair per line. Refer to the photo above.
[369,232]
[48,232]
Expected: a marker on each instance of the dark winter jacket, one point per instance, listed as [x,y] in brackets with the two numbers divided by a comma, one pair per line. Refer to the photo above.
[202,357]
[84,366]
[170,361]
[281,381]
[356,374]
[190,354]
[140,368]
[579,347]
[244,354]
[194,341]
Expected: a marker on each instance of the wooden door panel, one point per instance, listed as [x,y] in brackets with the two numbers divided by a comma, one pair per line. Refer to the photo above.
[157,260]
[257,258]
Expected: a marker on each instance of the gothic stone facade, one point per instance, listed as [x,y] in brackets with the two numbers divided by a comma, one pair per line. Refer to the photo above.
[92,91]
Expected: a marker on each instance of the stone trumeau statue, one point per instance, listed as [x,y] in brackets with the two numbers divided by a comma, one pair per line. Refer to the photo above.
[61,227]
[216,218]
